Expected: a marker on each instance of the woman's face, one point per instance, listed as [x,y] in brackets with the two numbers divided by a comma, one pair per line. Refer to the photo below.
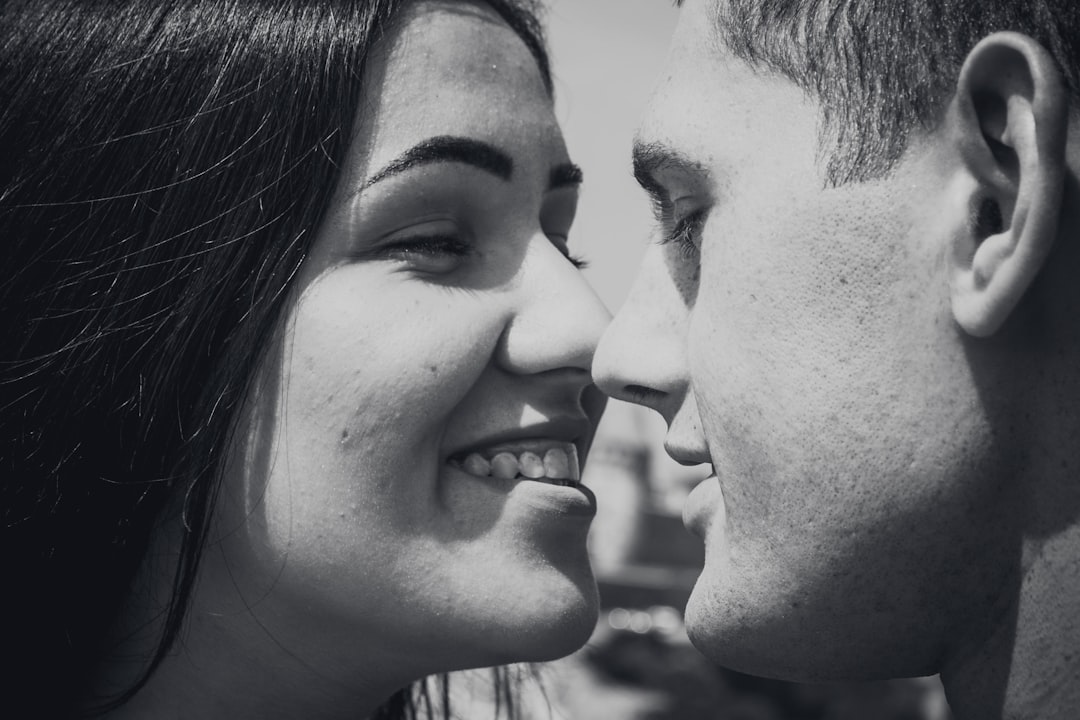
[438,347]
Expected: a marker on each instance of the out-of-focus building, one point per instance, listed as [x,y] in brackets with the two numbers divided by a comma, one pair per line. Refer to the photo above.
[642,554]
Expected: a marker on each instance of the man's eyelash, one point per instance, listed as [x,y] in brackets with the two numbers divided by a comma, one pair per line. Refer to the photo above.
[684,231]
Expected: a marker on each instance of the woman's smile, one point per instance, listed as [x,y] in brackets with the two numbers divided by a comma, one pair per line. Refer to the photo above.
[433,376]
[548,451]
[314,269]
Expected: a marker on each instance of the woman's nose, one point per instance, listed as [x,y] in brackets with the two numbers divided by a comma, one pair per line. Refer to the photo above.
[641,357]
[559,318]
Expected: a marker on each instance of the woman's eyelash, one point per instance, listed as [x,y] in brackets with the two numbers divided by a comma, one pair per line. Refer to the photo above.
[450,246]
[560,242]
[683,233]
[577,261]
[430,245]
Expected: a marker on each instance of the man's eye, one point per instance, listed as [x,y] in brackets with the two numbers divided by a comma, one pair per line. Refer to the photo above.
[435,254]
[684,233]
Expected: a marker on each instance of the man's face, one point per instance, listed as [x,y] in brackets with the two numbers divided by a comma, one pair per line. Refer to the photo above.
[799,338]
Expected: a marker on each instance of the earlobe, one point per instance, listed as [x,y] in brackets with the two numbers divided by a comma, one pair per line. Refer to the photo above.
[1010,122]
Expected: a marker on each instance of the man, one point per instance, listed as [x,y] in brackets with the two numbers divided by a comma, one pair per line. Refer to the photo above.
[865,313]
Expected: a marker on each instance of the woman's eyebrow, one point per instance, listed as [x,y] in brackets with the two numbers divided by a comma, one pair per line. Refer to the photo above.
[448,148]
[564,175]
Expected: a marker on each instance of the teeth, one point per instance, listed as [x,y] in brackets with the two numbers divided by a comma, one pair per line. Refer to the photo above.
[505,466]
[477,464]
[556,464]
[573,465]
[531,465]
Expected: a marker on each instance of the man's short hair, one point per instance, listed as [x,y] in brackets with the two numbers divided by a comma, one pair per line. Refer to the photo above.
[881,68]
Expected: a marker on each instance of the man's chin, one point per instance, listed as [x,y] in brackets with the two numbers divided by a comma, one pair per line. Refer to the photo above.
[708,625]
[727,644]
[769,640]
[748,635]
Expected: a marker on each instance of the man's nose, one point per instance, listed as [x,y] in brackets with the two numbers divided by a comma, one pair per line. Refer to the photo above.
[641,357]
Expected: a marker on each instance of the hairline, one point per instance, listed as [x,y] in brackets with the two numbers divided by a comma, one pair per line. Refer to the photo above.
[870,109]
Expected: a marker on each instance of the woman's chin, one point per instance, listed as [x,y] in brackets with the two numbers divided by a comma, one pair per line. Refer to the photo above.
[553,627]
[565,635]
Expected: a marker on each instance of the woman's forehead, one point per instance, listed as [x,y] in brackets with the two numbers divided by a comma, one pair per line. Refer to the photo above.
[446,72]
[456,47]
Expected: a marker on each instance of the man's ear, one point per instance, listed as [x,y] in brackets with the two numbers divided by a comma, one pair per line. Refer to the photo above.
[1009,121]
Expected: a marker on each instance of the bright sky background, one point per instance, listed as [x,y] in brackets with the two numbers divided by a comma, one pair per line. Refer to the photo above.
[607,56]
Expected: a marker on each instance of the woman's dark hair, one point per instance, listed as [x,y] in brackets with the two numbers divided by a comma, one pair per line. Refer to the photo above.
[163,169]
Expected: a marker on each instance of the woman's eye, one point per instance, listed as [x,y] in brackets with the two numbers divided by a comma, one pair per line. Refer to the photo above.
[562,242]
[433,254]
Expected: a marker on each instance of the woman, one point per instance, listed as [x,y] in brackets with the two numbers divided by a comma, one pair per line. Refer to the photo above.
[296,383]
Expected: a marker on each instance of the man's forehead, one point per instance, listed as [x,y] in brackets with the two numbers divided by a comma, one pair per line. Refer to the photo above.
[701,77]
[697,25]
[714,117]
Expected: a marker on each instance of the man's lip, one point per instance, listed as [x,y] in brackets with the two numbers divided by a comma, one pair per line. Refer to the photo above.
[702,504]
[685,455]
[576,430]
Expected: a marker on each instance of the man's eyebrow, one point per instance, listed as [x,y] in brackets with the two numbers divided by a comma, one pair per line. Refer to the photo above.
[564,175]
[652,158]
[448,148]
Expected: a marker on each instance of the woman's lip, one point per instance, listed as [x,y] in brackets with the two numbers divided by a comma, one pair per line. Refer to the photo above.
[704,501]
[576,500]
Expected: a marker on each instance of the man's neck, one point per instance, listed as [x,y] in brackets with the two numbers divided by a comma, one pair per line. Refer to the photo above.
[1029,669]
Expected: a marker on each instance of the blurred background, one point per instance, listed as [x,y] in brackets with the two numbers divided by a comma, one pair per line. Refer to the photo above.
[607,56]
